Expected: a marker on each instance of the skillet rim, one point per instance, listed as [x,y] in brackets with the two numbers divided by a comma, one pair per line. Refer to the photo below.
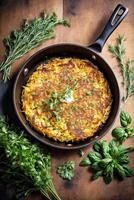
[42,140]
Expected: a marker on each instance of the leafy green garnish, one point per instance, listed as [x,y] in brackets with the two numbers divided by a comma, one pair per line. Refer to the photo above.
[125,119]
[57,98]
[31,35]
[108,160]
[53,101]
[67,94]
[124,132]
[33,161]
[85,162]
[88,93]
[14,177]
[66,170]
[127,67]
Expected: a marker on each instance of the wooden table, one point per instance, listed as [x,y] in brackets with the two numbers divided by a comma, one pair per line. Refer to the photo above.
[87,18]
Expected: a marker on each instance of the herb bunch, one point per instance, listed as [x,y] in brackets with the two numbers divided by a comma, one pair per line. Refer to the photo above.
[66,170]
[31,35]
[108,160]
[30,159]
[119,52]
[124,132]
[21,184]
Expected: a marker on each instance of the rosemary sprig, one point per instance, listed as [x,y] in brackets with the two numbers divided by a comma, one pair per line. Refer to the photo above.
[31,35]
[119,52]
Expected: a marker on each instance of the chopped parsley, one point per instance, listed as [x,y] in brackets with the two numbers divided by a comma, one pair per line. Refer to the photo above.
[57,98]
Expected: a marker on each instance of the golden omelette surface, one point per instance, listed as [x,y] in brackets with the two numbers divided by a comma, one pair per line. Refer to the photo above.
[67,99]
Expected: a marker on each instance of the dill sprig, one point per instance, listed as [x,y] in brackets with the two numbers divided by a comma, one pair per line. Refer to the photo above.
[33,162]
[119,52]
[31,35]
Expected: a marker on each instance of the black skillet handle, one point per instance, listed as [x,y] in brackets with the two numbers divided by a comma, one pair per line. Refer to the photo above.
[117,16]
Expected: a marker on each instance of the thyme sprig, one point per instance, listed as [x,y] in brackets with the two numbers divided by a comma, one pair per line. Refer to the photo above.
[31,35]
[119,52]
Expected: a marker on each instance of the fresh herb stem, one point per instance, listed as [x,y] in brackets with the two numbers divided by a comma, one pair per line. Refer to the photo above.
[119,52]
[31,35]
[26,158]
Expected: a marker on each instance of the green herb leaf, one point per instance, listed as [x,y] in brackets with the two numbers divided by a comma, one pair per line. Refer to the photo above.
[104,162]
[119,134]
[129,131]
[105,149]
[85,162]
[125,119]
[108,173]
[128,171]
[97,174]
[66,170]
[97,146]
[94,156]
[109,160]
[124,132]
[119,170]
[31,159]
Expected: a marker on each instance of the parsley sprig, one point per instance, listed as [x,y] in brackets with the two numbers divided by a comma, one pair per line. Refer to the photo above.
[119,52]
[32,161]
[57,98]
[31,35]
[14,177]
[66,170]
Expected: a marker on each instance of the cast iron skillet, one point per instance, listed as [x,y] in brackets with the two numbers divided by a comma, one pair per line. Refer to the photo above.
[66,49]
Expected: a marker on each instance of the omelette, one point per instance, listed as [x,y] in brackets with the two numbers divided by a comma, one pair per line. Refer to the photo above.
[67,99]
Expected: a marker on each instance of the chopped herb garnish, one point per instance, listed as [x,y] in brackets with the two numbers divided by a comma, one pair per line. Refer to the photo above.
[88,93]
[67,94]
[57,116]
[74,108]
[85,162]
[57,98]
